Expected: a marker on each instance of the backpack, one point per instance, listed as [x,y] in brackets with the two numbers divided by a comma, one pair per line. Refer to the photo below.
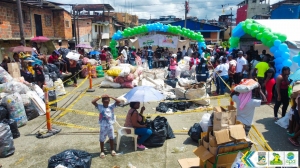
[195,132]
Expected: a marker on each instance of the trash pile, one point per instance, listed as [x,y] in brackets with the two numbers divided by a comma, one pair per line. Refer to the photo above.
[224,135]
[20,102]
[96,68]
[122,75]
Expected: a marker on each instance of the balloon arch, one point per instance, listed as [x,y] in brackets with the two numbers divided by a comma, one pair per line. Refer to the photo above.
[275,41]
[155,27]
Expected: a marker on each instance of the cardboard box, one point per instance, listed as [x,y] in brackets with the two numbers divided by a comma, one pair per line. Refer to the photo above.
[205,144]
[223,136]
[224,117]
[190,163]
[211,165]
[213,150]
[212,140]
[14,69]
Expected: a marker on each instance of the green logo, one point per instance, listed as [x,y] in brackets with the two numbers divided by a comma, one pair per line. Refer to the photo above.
[290,158]
[262,158]
[276,160]
[148,43]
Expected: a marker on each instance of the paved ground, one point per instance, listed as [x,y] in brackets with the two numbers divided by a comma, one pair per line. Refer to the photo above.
[34,153]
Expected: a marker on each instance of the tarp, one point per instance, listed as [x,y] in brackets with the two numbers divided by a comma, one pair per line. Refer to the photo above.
[289,27]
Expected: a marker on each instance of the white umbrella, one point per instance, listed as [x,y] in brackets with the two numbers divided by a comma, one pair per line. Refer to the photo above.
[73,56]
[143,94]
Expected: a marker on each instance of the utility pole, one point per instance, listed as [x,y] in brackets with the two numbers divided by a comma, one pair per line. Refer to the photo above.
[21,26]
[74,27]
[186,7]
[230,22]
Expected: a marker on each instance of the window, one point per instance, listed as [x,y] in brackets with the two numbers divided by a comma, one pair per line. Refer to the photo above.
[205,34]
[96,28]
[24,14]
[48,20]
[67,24]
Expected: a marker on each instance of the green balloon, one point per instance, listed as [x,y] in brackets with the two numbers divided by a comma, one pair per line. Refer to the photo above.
[282,37]
[248,21]
[263,40]
[254,33]
[259,36]
[254,26]
[270,43]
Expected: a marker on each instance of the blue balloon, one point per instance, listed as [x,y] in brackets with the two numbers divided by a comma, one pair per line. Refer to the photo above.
[296,58]
[273,49]
[283,47]
[277,43]
[277,54]
[287,63]
[230,49]
[285,55]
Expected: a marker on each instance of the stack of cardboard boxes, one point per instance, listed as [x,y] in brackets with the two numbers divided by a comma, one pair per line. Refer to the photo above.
[222,142]
[14,69]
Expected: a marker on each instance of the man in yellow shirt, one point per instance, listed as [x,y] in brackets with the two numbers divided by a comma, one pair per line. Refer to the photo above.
[261,68]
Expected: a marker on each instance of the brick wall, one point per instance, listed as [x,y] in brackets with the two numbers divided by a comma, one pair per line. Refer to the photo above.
[54,28]
[10,24]
[85,30]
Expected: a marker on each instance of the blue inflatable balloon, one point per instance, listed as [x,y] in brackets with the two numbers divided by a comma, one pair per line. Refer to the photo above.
[287,63]
[283,47]
[277,43]
[277,54]
[230,49]
[273,49]
[285,55]
[296,58]
[276,75]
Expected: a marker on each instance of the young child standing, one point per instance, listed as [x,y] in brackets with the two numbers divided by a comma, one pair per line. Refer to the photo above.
[106,121]
[173,65]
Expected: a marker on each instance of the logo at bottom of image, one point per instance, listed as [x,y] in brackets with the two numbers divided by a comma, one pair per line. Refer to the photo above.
[291,159]
[271,159]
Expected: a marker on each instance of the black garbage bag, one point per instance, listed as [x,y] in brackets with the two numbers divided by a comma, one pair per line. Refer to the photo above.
[71,159]
[7,143]
[3,113]
[171,82]
[52,97]
[195,132]
[31,111]
[53,76]
[13,127]
[53,68]
[185,74]
[170,133]
[181,106]
[157,138]
[162,107]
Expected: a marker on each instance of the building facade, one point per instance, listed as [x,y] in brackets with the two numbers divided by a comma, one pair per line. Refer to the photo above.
[286,11]
[211,33]
[247,9]
[38,20]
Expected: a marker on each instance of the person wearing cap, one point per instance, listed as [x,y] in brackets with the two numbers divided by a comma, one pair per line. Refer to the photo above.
[173,66]
[241,66]
[294,132]
[150,56]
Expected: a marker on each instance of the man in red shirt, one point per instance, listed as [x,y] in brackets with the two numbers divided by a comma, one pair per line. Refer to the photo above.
[54,59]
[103,58]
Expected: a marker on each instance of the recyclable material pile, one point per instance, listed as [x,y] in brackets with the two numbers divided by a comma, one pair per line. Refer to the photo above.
[222,134]
[182,87]
[20,102]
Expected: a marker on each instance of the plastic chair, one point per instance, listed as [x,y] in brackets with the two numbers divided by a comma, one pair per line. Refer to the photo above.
[122,131]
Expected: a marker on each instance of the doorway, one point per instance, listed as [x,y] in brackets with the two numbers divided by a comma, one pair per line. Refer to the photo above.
[38,25]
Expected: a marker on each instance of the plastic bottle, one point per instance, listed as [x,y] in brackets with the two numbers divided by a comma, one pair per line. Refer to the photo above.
[179,149]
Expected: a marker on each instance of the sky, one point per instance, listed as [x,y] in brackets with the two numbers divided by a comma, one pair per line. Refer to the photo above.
[144,9]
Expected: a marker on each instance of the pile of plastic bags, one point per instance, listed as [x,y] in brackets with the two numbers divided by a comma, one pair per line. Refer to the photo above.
[122,75]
